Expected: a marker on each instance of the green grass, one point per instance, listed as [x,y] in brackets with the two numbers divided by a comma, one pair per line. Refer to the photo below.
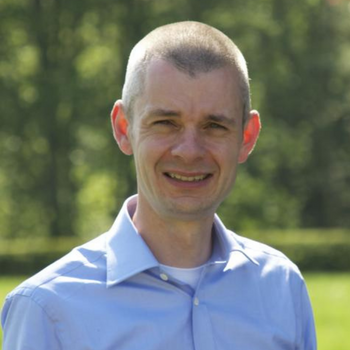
[330,296]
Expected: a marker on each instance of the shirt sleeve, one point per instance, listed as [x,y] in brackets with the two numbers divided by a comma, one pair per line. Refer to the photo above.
[26,326]
[307,325]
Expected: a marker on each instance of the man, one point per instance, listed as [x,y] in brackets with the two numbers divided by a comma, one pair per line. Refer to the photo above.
[168,274]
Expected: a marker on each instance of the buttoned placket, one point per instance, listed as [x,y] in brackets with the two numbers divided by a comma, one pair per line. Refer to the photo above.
[202,332]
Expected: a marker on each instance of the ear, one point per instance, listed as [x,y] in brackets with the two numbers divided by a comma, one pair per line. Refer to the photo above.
[250,135]
[120,128]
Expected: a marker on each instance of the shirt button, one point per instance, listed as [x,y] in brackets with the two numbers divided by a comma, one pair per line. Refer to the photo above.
[164,277]
[196,301]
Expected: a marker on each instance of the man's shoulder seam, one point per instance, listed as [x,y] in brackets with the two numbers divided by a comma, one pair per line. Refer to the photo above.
[30,287]
[263,248]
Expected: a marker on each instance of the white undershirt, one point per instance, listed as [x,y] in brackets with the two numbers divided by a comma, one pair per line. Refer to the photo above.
[189,276]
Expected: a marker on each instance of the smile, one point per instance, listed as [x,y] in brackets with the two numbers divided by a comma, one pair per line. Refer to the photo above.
[187,178]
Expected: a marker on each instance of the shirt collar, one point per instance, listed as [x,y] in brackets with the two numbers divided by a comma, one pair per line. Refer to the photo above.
[226,246]
[128,254]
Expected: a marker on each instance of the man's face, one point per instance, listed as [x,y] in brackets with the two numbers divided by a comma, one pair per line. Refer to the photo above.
[186,136]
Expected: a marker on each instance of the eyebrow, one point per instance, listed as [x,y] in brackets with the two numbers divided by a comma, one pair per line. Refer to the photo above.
[217,118]
[160,112]
[220,118]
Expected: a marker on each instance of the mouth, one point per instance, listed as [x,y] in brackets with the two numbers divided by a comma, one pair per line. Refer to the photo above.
[195,178]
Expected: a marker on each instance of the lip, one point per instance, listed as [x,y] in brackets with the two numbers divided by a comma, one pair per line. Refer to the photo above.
[187,180]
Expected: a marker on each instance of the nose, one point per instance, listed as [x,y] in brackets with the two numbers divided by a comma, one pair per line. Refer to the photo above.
[189,146]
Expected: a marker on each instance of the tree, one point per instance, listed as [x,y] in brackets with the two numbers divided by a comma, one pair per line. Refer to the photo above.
[62,67]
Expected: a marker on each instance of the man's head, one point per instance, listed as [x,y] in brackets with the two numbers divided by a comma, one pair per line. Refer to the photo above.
[181,117]
[193,48]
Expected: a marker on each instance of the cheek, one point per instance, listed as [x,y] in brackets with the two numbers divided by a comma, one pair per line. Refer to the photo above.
[155,148]
[227,160]
[226,152]
[147,155]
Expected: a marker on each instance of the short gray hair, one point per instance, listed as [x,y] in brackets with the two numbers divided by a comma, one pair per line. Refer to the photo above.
[192,47]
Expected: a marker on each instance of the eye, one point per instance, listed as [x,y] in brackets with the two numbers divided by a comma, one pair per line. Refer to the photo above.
[164,122]
[216,126]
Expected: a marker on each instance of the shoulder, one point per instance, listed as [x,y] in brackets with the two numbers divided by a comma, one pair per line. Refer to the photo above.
[269,259]
[41,303]
[84,263]
[278,279]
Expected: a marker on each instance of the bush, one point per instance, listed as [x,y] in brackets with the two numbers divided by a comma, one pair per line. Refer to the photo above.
[311,250]
[28,256]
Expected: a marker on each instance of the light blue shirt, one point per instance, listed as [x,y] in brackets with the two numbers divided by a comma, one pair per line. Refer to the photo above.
[111,294]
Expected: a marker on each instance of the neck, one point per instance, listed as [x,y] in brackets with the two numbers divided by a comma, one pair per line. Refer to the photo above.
[185,244]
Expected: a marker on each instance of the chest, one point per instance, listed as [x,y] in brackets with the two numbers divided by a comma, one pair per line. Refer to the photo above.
[226,311]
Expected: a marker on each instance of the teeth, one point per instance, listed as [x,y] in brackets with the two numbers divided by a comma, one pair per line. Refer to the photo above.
[187,178]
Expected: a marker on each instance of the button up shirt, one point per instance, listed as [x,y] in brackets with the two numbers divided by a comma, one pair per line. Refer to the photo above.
[111,294]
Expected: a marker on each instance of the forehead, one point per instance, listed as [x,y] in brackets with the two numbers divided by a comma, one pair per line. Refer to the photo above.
[167,86]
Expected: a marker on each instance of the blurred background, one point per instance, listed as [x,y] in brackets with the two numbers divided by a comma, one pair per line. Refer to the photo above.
[62,66]
[62,177]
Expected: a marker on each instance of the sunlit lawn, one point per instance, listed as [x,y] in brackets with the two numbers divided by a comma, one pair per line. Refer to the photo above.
[330,295]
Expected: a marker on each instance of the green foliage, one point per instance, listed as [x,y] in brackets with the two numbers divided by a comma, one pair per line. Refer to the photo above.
[28,256]
[295,176]
[311,250]
[62,67]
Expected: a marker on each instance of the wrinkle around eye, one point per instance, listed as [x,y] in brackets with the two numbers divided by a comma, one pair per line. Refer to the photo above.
[216,129]
[164,122]
[216,126]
